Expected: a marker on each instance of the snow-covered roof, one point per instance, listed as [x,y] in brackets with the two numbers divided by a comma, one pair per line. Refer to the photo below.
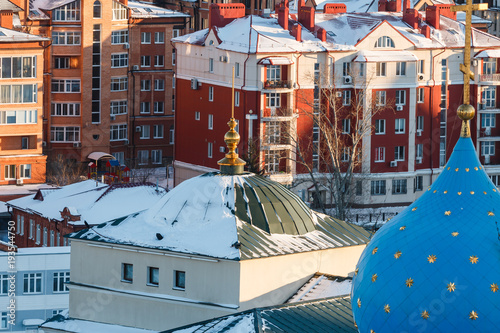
[378,56]
[93,201]
[140,9]
[229,217]
[8,35]
[8,5]
[322,286]
[488,54]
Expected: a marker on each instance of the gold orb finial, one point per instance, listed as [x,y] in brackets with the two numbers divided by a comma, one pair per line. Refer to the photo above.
[465,112]
[231,164]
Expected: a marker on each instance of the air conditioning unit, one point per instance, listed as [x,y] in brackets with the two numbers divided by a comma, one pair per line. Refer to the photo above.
[222,149]
[419,160]
[138,129]
[77,144]
[44,143]
[194,84]
[420,77]
[19,181]
[487,131]
[338,94]
[399,108]
[135,67]
[223,58]
[419,132]
[394,164]
[487,159]
[126,46]
[347,79]
[112,117]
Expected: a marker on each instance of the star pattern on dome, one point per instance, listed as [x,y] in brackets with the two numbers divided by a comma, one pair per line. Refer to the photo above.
[484,192]
[447,213]
[459,193]
[451,287]
[494,190]
[397,254]
[472,192]
[402,228]
[425,314]
[387,308]
[491,214]
[494,287]
[356,271]
[431,259]
[359,302]
[372,331]
[445,192]
[473,315]
[475,168]
[414,209]
[473,259]
[448,168]
[374,277]
[435,191]
[466,169]
[375,250]
[455,233]
[456,170]
[409,282]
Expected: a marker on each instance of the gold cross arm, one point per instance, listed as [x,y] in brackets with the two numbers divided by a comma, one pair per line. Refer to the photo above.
[465,8]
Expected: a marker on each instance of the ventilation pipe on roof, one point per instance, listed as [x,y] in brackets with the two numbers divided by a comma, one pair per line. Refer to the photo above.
[410,16]
[322,34]
[432,16]
[6,19]
[393,6]
[283,12]
[297,32]
[335,8]
[426,31]
[306,16]
[221,14]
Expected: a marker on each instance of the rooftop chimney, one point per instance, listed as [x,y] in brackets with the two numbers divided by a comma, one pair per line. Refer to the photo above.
[426,31]
[393,6]
[445,10]
[6,19]
[322,34]
[297,32]
[406,5]
[432,16]
[221,14]
[382,5]
[283,12]
[306,17]
[410,16]
[335,8]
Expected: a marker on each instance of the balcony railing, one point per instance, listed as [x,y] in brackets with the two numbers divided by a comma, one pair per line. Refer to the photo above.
[489,78]
[277,112]
[277,84]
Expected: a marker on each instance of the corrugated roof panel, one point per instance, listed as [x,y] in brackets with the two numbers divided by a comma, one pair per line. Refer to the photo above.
[258,217]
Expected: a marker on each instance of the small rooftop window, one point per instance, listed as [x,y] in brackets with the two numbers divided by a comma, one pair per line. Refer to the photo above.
[384,42]
[136,10]
[148,10]
[35,12]
[331,33]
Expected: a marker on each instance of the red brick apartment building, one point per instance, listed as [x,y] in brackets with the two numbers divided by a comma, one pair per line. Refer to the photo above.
[407,63]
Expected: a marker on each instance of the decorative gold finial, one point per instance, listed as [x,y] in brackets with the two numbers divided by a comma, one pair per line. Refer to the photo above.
[465,112]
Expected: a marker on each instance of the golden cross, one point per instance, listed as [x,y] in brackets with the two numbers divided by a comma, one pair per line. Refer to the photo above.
[465,67]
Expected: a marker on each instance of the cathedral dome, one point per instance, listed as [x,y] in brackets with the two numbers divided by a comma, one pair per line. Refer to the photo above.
[435,267]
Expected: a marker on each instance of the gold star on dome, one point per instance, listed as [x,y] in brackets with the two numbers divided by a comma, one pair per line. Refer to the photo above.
[375,250]
[402,228]
[356,271]
[374,277]
[494,190]
[425,314]
[456,169]
[484,192]
[472,192]
[473,259]
[473,315]
[387,308]
[372,331]
[459,193]
[494,287]
[429,188]
[491,214]
[466,169]
[451,287]
[414,209]
[445,192]
[447,213]
[480,168]
[397,254]
[448,168]
[475,168]
[359,302]
[454,233]
[431,259]
[435,191]
[409,282]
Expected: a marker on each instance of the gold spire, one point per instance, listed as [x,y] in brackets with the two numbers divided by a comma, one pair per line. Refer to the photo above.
[466,111]
[232,164]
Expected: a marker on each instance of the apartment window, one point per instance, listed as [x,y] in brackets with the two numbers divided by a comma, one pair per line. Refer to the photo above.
[400,126]
[380,154]
[179,280]
[176,33]
[158,107]
[159,61]
[346,126]
[119,37]
[420,95]
[19,93]
[380,97]
[273,100]
[346,68]
[173,57]
[400,97]
[62,62]
[272,161]
[401,68]
[119,60]
[145,38]
[236,69]
[346,153]
[418,183]
[17,67]
[65,86]
[44,243]
[488,148]
[159,37]
[25,171]
[196,115]
[489,66]
[59,282]
[361,70]
[66,37]
[210,94]
[25,142]
[97,9]
[346,97]
[384,42]
[399,153]
[146,61]
[70,12]
[51,238]
[119,11]
[4,320]
[32,283]
[32,229]
[10,172]
[153,276]
[143,156]
[210,149]
[420,123]
[399,186]
[210,121]
[4,284]
[65,109]
[118,107]
[118,132]
[380,126]
[171,135]
[38,234]
[157,131]
[378,187]
[488,120]
[160,85]
[127,273]
[145,85]
[173,103]
[273,72]
[381,68]
[144,132]
[64,134]
[156,156]
[211,65]
[119,83]
[419,152]
[145,107]
[273,132]
[420,67]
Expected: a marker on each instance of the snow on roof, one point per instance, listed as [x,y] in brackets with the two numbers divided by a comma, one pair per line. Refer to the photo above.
[488,54]
[65,324]
[8,5]
[380,56]
[141,9]
[95,202]
[8,35]
[322,286]
[29,251]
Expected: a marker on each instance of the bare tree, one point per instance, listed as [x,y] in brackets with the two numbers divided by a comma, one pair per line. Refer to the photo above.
[62,171]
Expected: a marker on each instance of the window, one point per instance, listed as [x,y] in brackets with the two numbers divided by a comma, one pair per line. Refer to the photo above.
[159,37]
[380,154]
[361,70]
[119,83]
[70,12]
[144,132]
[346,97]
[173,103]
[236,69]
[420,66]
[419,152]
[384,42]
[25,142]
[32,283]
[25,171]
[66,37]
[176,33]
[210,121]
[160,85]
[210,94]
[118,107]
[272,161]
[420,123]
[143,156]
[488,97]
[488,148]
[64,134]
[171,135]
[359,187]
[4,320]
[179,280]
[399,186]
[145,85]
[65,86]
[197,115]
[346,68]
[127,273]
[400,126]
[119,37]
[153,276]
[59,282]
[51,238]
[346,153]
[273,100]
[399,153]
[18,93]
[145,61]
[156,156]
[273,72]
[173,57]
[119,156]
[62,62]
[97,9]
[401,68]
[400,97]
[4,284]
[159,61]
[44,243]
[18,117]
[346,126]
[489,66]
[420,95]
[378,187]
[380,126]
[18,67]
[38,234]
[418,183]
[157,131]
[273,132]
[10,172]
[211,65]
[65,109]
[236,98]
[119,60]
[118,132]
[158,107]
[145,107]
[210,149]
[488,120]
[119,11]
[381,66]
[380,98]
[32,229]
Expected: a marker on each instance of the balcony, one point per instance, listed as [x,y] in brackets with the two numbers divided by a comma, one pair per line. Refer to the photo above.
[489,78]
[273,113]
[277,84]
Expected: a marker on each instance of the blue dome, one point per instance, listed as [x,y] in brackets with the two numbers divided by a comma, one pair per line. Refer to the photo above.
[435,267]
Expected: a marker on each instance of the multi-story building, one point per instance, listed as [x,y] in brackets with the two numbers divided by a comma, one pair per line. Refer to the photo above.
[406,63]
[21,100]
[108,78]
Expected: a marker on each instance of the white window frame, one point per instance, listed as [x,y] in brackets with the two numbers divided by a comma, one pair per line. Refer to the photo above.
[379,154]
[400,68]
[487,148]
[59,280]
[158,131]
[25,171]
[399,153]
[399,186]
[127,268]
[346,126]
[118,107]
[346,97]
[211,94]
[34,282]
[158,107]
[156,156]
[145,37]
[378,123]
[118,132]
[488,120]
[210,121]
[236,98]
[159,61]
[420,95]
[151,276]
[119,60]
[197,115]
[159,37]
[381,70]
[119,37]
[160,85]
[143,157]
[378,187]
[210,149]
[145,61]
[380,97]
[119,82]
[145,132]
[400,126]
[145,85]
[210,65]
[400,97]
